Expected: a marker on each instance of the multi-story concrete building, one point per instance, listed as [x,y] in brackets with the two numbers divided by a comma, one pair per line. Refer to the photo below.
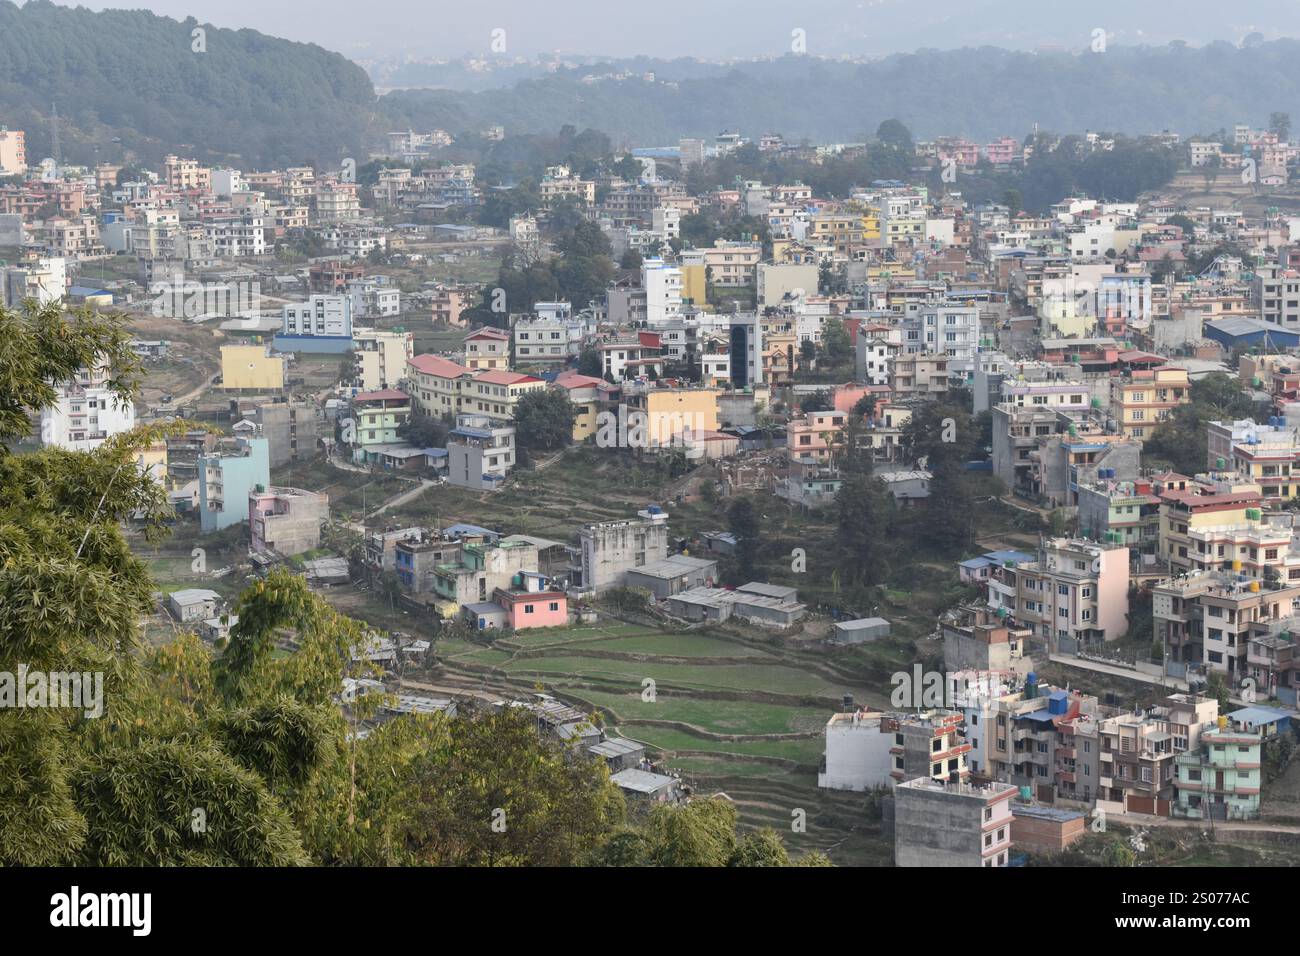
[291,430]
[1204,619]
[1138,751]
[418,555]
[85,413]
[1120,512]
[480,452]
[448,302]
[918,374]
[816,437]
[1075,593]
[13,152]
[984,639]
[1148,397]
[227,477]
[44,280]
[946,329]
[373,298]
[729,264]
[380,358]
[941,823]
[237,237]
[286,521]
[546,340]
[611,548]
[867,749]
[494,394]
[375,418]
[1221,779]
[321,324]
[480,570]
[663,290]
[436,385]
[487,349]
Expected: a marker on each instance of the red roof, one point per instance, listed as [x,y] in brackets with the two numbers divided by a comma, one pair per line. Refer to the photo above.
[436,365]
[571,378]
[488,333]
[384,394]
[505,378]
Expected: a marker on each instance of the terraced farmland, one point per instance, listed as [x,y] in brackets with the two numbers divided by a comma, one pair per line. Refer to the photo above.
[729,712]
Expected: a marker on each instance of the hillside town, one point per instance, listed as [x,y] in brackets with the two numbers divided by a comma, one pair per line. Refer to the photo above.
[960,533]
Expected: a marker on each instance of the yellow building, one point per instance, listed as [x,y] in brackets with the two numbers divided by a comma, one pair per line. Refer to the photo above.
[252,368]
[152,461]
[694,288]
[672,411]
[436,385]
[495,393]
[1147,398]
[487,349]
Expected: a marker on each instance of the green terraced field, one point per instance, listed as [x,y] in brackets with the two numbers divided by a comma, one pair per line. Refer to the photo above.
[715,716]
[770,679]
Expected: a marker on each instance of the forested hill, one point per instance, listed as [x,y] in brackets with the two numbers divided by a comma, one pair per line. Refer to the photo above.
[981,93]
[132,75]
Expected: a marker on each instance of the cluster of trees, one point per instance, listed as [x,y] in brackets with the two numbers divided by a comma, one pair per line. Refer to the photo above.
[890,157]
[874,537]
[132,77]
[243,756]
[1069,167]
[1181,442]
[982,92]
[580,272]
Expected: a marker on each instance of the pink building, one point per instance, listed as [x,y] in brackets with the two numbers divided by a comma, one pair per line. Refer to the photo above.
[286,521]
[1004,150]
[814,437]
[533,605]
[844,397]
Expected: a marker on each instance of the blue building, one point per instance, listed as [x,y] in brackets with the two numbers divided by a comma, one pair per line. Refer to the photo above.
[1248,332]
[227,477]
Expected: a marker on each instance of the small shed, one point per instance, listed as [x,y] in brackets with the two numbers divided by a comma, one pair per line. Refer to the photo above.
[860,631]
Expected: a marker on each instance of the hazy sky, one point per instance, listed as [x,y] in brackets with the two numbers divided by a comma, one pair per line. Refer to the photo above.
[730,28]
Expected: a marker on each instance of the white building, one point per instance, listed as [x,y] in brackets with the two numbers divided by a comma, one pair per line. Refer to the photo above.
[323,316]
[381,357]
[372,299]
[238,237]
[85,413]
[663,289]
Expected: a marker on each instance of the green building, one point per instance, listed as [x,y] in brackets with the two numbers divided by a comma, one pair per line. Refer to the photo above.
[1221,780]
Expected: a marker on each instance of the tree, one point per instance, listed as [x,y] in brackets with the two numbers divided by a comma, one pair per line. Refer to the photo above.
[893,133]
[742,521]
[544,419]
[1181,442]
[818,401]
[1216,686]
[1280,124]
[590,362]
[423,432]
[864,511]
[490,791]
[836,344]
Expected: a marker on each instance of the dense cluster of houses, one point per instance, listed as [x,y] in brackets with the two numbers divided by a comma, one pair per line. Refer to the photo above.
[1079,330]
